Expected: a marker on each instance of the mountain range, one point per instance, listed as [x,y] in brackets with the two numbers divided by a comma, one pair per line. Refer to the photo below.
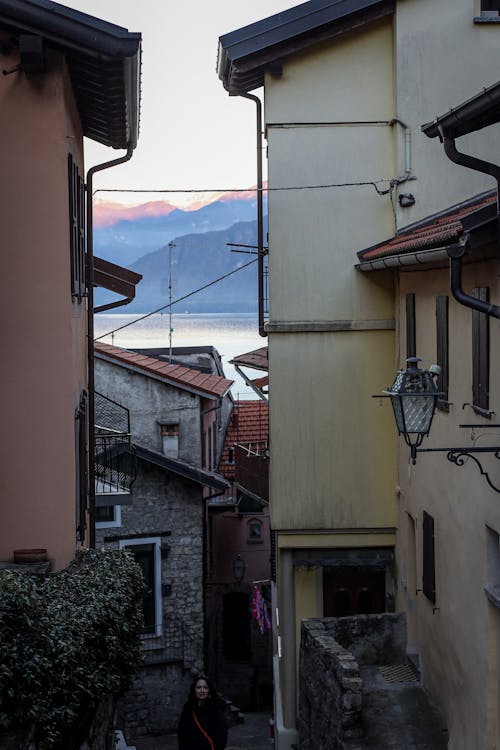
[200,254]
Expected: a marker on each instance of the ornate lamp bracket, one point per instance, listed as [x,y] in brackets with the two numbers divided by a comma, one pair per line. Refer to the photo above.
[459,456]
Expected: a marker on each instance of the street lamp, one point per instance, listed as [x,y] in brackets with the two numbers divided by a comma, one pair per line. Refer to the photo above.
[239,568]
[414,396]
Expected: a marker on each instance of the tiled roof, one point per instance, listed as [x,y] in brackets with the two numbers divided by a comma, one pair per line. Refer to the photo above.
[437,231]
[249,426]
[184,377]
[256,359]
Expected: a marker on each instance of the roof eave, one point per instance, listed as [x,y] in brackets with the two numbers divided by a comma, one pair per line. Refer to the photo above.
[472,115]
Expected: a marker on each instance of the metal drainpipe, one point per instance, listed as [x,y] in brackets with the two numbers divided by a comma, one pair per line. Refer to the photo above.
[90,332]
[472,162]
[455,254]
[260,212]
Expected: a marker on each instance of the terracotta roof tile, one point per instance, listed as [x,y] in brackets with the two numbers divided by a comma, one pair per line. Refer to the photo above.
[436,232]
[212,385]
[249,426]
[257,359]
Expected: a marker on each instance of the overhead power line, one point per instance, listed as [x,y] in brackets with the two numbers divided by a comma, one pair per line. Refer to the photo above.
[372,183]
[180,299]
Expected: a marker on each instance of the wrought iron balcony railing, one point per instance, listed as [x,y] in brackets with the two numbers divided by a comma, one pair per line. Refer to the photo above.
[113,456]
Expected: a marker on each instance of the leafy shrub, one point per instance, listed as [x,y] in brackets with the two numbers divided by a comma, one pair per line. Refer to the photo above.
[66,641]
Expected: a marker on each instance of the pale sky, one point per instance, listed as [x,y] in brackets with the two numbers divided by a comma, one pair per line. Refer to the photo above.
[193,134]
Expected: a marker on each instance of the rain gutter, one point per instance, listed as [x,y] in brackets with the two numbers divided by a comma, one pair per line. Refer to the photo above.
[90,331]
[260,213]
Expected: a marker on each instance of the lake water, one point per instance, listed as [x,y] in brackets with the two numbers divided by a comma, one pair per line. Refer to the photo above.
[230,333]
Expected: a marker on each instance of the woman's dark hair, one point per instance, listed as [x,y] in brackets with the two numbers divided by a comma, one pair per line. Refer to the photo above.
[212,695]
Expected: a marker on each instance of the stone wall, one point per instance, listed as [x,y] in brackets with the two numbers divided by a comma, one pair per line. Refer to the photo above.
[153,704]
[330,685]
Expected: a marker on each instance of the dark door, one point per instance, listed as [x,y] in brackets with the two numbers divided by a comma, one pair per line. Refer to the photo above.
[353,592]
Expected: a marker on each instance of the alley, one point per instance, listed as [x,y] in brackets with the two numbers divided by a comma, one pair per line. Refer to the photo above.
[253,734]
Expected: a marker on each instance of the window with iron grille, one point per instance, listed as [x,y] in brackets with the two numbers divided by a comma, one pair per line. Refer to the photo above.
[428,559]
[76,192]
[410,326]
[481,355]
[442,350]
[81,451]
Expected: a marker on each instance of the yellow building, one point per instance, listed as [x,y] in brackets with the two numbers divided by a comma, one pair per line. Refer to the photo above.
[348,166]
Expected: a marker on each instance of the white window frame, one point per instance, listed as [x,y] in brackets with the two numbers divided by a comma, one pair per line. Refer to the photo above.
[115,523]
[156,541]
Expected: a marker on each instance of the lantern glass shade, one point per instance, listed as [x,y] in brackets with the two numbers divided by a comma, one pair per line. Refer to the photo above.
[239,568]
[414,396]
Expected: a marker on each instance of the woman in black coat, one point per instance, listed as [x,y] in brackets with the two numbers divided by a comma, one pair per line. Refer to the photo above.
[202,725]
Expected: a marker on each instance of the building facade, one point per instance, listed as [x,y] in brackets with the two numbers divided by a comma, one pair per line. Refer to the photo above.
[50,57]
[346,89]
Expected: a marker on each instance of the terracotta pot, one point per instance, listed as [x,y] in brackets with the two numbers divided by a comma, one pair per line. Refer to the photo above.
[30,555]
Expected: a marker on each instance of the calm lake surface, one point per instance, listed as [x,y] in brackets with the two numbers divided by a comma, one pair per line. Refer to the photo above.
[230,333]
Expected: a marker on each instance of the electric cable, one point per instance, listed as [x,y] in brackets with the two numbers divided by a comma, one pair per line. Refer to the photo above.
[372,183]
[180,299]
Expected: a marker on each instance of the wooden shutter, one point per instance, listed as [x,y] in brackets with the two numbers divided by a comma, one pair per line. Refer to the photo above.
[428,559]
[410,326]
[81,467]
[442,349]
[481,354]
[76,197]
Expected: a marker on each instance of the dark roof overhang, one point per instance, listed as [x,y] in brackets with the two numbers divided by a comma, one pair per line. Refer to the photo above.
[257,359]
[474,114]
[116,279]
[245,54]
[186,471]
[104,62]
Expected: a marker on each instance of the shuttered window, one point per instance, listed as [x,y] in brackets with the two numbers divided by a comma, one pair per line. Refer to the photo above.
[81,467]
[442,350]
[428,559]
[411,347]
[481,355]
[76,193]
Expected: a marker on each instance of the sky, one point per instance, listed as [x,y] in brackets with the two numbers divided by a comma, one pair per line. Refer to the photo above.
[193,135]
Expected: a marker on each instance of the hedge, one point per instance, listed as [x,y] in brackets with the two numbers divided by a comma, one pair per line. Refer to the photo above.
[66,642]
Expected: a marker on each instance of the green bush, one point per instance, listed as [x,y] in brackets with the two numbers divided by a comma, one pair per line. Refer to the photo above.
[66,641]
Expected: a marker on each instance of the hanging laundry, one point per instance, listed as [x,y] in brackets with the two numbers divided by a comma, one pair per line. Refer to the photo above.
[259,611]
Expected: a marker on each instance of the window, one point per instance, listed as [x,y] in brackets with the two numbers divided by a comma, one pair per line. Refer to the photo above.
[81,457]
[255,531]
[230,455]
[204,450]
[170,439]
[76,192]
[210,447]
[147,553]
[442,349]
[108,516]
[481,355]
[490,5]
[428,559]
[410,326]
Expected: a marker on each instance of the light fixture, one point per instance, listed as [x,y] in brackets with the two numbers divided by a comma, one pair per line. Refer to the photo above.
[414,396]
[239,568]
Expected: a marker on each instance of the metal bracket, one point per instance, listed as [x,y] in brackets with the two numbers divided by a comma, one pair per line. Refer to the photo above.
[458,457]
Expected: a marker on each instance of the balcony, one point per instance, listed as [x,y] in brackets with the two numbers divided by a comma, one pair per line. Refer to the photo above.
[113,456]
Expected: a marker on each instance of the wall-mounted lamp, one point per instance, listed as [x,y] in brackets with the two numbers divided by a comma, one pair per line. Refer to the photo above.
[414,395]
[239,568]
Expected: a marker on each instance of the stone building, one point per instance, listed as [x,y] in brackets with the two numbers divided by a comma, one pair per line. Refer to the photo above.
[174,412]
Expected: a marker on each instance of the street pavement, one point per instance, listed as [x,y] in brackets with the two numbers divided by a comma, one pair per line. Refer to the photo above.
[252,734]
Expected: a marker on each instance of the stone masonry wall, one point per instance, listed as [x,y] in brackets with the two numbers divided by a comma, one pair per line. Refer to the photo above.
[330,691]
[330,685]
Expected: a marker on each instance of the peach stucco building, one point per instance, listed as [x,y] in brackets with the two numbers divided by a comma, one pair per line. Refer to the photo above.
[69,75]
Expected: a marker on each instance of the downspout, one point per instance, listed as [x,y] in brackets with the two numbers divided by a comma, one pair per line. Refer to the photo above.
[456,252]
[260,212]
[90,331]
